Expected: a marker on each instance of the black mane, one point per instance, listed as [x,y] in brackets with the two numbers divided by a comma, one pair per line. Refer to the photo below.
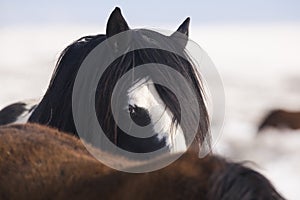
[55,108]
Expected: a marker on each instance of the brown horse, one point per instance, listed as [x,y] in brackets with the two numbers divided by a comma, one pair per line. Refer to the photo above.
[281,119]
[38,162]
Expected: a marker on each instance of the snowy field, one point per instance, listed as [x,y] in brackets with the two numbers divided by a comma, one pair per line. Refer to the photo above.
[259,65]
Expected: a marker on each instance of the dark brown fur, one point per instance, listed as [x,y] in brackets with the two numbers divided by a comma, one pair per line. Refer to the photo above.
[281,119]
[37,162]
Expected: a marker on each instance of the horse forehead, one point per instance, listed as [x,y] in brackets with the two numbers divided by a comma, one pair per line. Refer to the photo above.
[150,40]
[144,94]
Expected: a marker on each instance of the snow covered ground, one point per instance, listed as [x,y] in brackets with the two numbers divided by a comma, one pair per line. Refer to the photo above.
[259,65]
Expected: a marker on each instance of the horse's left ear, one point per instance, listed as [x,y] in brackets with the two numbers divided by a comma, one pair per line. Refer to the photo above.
[182,33]
[116,23]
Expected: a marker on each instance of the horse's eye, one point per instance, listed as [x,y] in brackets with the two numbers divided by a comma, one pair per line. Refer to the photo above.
[139,115]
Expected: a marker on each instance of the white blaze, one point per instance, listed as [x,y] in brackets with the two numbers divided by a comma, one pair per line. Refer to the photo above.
[144,95]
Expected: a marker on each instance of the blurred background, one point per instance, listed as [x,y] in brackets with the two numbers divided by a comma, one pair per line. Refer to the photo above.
[255,46]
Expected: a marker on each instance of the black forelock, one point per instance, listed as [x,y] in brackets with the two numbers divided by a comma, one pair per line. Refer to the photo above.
[137,58]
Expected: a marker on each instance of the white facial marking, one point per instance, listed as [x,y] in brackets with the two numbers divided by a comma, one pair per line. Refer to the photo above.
[143,94]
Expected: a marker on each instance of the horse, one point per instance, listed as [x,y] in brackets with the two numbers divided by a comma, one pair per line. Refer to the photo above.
[279,118]
[18,112]
[148,104]
[39,162]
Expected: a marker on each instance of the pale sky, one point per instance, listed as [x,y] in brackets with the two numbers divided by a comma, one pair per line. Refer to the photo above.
[156,12]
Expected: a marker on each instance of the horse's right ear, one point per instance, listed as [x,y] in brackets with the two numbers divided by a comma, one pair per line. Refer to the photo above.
[116,23]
